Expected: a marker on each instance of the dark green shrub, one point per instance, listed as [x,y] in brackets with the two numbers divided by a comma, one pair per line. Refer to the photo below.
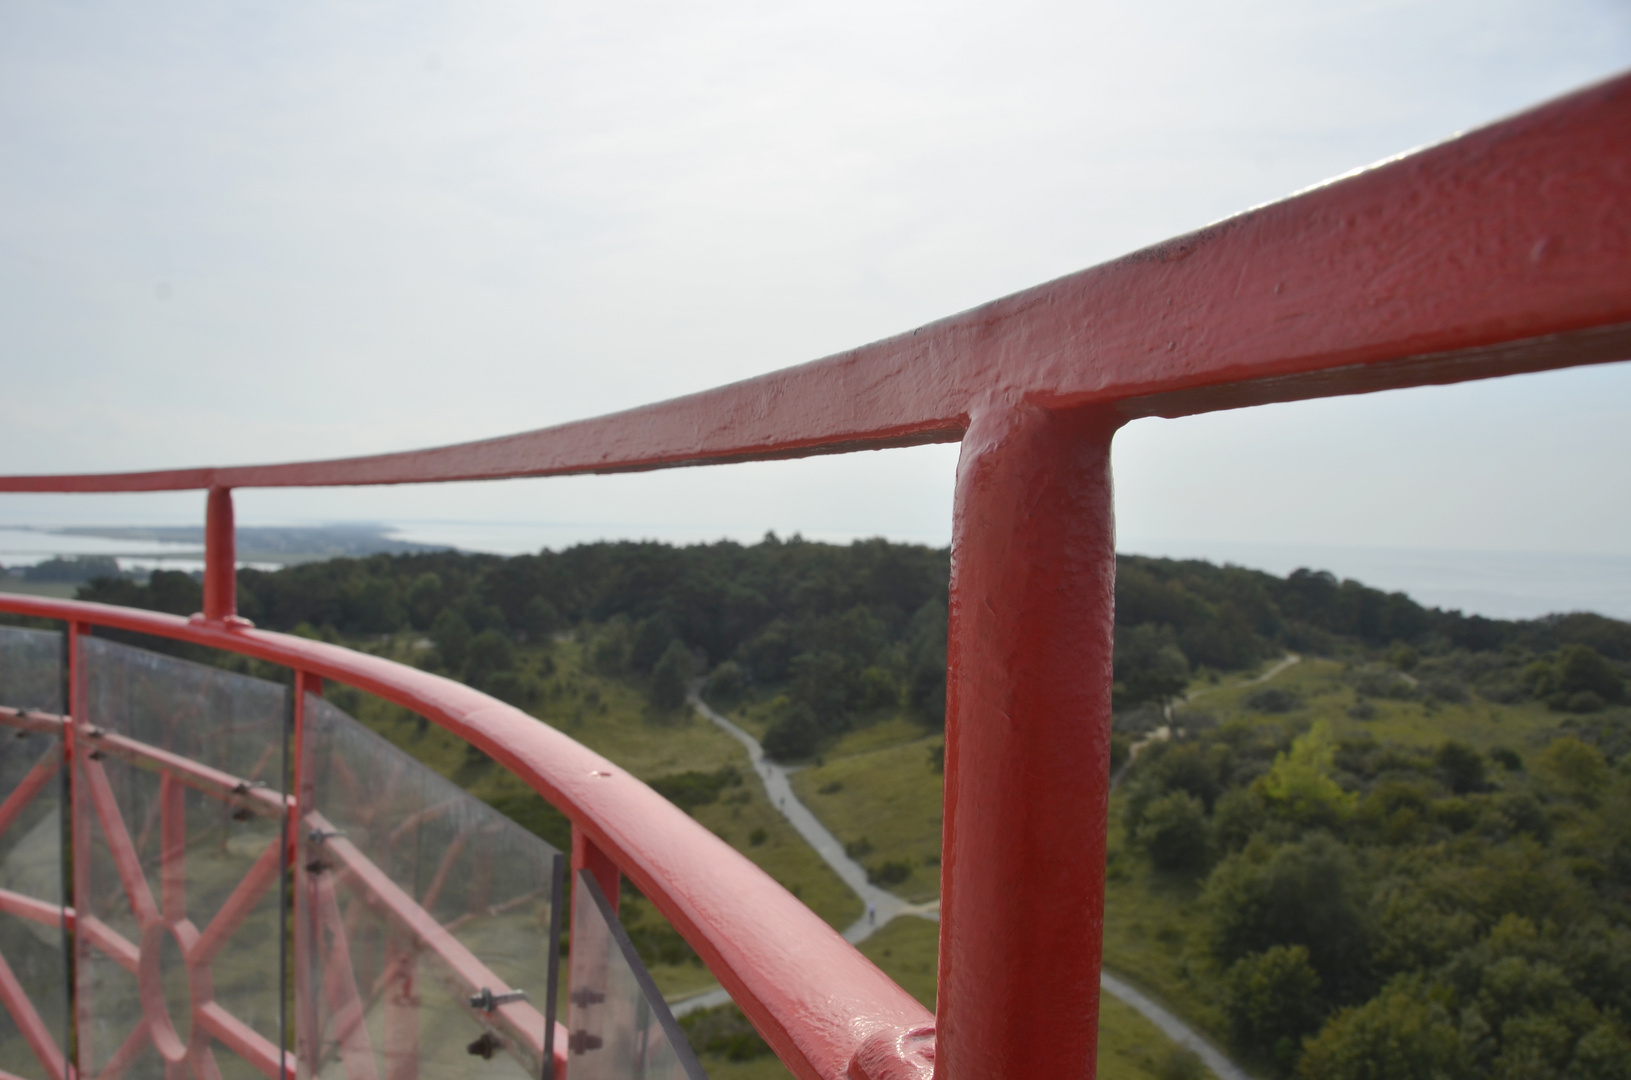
[794,734]
[889,872]
[1272,700]
[1180,1063]
[1461,767]
[453,638]
[671,678]
[725,683]
[1308,893]
[1272,999]
[689,790]
[723,1031]
[1404,1033]
[1173,831]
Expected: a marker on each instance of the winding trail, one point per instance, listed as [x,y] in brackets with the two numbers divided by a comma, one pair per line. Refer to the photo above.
[1172,1027]
[885,905]
[1284,662]
[1163,733]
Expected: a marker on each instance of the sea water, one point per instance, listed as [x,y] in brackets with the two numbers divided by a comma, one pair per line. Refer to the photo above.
[1497,584]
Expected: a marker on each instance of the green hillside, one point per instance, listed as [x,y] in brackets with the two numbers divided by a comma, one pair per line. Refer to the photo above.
[1408,853]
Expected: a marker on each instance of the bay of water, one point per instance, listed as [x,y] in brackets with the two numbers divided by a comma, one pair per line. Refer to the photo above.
[25,547]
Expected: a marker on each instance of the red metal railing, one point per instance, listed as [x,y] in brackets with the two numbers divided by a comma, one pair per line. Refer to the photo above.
[1501,251]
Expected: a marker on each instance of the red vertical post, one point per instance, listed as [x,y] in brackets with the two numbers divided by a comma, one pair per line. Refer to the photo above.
[79,827]
[401,1044]
[305,683]
[586,964]
[586,856]
[308,930]
[172,848]
[1027,746]
[220,557]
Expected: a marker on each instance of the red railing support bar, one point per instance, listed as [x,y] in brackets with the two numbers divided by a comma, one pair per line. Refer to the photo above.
[586,856]
[220,558]
[828,1013]
[1027,746]
[1502,250]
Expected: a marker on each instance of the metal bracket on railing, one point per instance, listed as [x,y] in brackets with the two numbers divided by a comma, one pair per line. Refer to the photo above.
[317,836]
[244,787]
[485,1046]
[487,1001]
[583,997]
[580,1042]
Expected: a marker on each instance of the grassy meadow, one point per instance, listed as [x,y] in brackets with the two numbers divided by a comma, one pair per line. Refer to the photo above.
[876,789]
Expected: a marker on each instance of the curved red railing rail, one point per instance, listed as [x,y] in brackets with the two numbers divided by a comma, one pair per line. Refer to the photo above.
[1501,251]
[819,997]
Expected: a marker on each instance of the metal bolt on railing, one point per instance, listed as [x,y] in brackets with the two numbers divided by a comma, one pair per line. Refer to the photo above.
[487,1001]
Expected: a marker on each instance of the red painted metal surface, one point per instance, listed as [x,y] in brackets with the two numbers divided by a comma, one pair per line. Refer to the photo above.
[220,557]
[27,907]
[212,782]
[166,917]
[818,1001]
[1499,251]
[13,997]
[1027,744]
[586,856]
[340,988]
[519,1020]
[32,784]
[27,1018]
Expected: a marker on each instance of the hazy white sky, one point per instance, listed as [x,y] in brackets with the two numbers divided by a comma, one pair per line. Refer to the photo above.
[264,231]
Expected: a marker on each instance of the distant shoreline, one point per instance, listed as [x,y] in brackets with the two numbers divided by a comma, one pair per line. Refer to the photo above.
[1495,584]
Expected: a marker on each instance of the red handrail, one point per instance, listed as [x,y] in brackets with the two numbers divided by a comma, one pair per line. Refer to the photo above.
[816,999]
[1500,251]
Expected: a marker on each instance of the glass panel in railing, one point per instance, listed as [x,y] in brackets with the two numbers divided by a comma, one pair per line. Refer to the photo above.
[428,922]
[178,822]
[620,1027]
[31,669]
[33,964]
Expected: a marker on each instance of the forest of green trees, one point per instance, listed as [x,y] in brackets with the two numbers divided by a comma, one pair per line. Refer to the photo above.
[847,632]
[1409,912]
[1367,908]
